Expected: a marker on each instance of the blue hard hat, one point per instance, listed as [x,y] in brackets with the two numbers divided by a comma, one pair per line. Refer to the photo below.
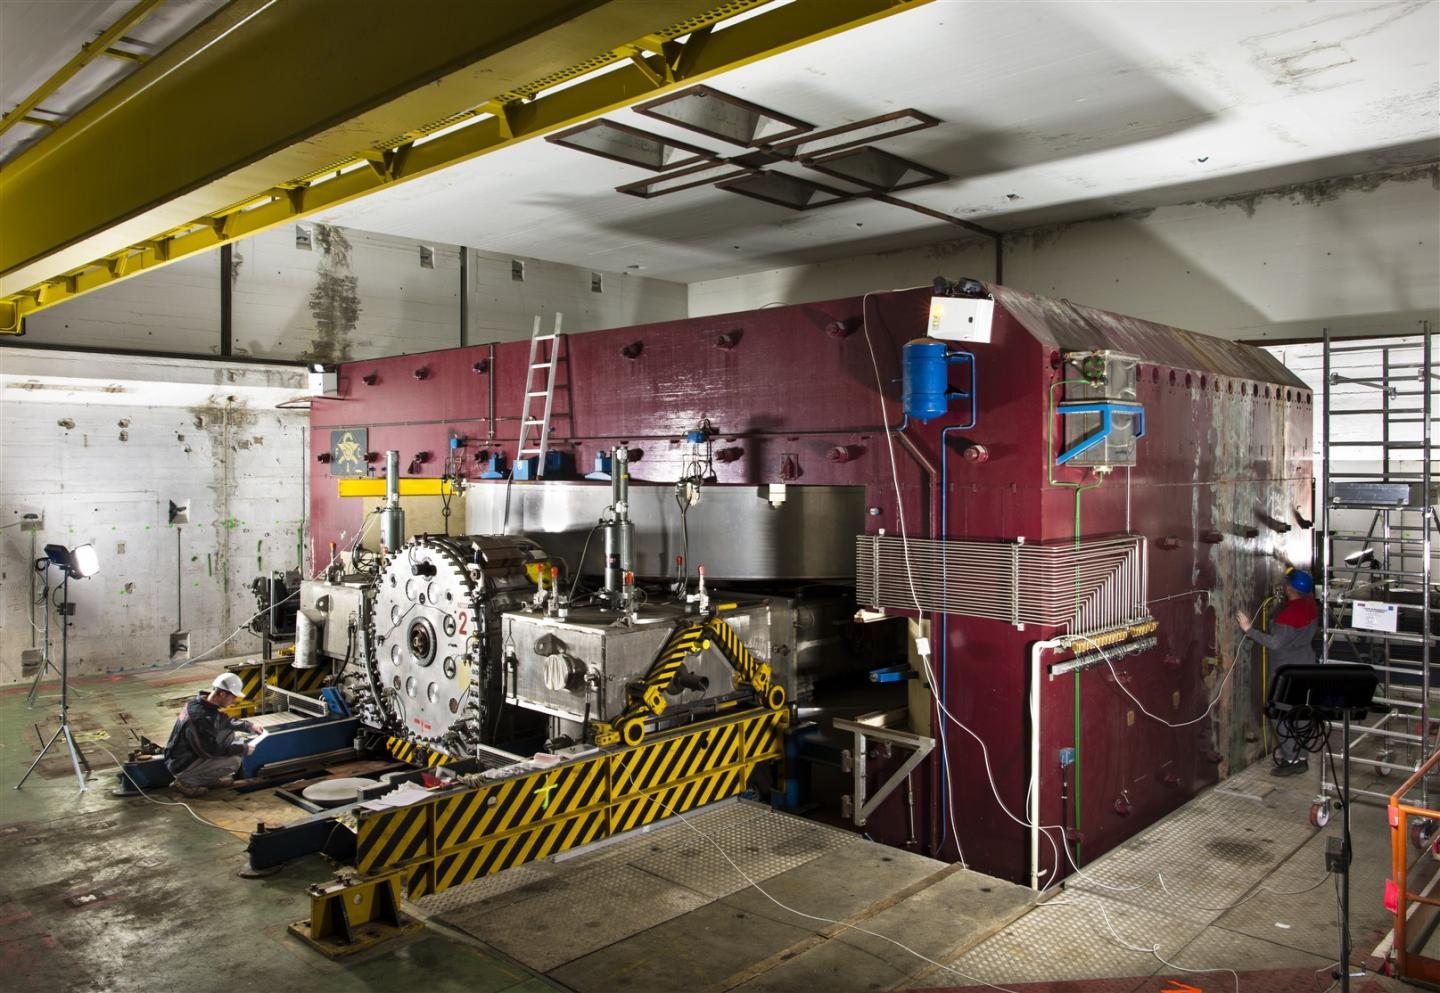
[1301,580]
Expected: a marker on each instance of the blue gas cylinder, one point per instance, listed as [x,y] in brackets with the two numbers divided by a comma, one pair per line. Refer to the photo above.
[926,379]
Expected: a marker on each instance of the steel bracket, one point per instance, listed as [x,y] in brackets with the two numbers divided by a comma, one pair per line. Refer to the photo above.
[883,726]
[350,916]
[1108,410]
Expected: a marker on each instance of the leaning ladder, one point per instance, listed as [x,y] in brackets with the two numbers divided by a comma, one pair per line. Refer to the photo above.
[539,361]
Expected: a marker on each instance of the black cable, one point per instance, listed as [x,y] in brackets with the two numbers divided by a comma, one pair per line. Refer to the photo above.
[580,567]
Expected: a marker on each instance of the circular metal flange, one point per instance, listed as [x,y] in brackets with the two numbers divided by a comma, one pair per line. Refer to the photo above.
[424,639]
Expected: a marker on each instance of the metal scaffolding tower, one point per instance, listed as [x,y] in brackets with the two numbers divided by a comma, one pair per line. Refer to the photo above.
[1379,600]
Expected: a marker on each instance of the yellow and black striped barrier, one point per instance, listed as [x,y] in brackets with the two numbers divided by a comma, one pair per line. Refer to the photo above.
[409,751]
[693,639]
[468,833]
[279,673]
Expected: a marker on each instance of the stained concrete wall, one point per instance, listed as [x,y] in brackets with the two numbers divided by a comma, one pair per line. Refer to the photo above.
[101,456]
[316,292]
[1358,255]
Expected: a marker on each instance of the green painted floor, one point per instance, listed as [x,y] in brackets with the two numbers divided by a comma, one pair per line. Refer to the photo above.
[99,893]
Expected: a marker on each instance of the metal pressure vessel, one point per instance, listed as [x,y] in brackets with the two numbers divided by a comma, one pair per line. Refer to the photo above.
[926,378]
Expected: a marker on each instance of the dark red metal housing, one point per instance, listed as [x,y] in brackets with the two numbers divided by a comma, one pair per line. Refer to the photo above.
[1226,452]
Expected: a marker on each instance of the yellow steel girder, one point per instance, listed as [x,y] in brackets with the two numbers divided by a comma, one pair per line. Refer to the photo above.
[366,486]
[65,238]
[88,53]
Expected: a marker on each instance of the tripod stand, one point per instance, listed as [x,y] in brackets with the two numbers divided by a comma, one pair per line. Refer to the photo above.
[47,664]
[1313,696]
[64,729]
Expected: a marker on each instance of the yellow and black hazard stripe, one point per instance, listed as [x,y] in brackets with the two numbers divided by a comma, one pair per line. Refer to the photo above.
[629,728]
[464,834]
[642,809]
[766,735]
[756,673]
[408,751]
[398,837]
[513,803]
[304,680]
[283,675]
[684,642]
[526,845]
[673,759]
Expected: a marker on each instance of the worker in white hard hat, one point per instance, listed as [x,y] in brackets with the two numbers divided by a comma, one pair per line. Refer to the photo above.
[202,751]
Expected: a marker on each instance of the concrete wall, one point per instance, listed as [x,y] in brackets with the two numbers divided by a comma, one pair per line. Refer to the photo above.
[1358,255]
[102,455]
[316,292]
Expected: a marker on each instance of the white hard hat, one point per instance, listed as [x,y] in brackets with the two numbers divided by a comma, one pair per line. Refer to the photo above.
[230,683]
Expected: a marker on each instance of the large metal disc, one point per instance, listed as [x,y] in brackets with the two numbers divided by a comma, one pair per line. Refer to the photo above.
[424,639]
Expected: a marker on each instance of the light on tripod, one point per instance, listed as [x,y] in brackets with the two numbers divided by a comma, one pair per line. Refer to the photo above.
[74,563]
[1364,555]
[79,562]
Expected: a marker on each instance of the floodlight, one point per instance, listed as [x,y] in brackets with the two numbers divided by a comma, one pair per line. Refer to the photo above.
[79,562]
[73,563]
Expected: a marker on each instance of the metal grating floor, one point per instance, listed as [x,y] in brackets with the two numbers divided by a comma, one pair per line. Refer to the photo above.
[1073,931]
[555,912]
[662,909]
[1209,854]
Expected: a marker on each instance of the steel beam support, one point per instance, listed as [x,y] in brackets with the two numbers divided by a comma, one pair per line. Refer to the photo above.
[98,219]
[88,53]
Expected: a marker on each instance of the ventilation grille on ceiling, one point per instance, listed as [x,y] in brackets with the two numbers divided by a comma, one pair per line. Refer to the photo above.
[772,140]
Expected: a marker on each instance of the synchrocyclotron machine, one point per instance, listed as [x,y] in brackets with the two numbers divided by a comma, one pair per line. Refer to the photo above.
[804,551]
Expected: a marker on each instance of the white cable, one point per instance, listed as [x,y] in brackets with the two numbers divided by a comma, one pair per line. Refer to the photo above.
[167,803]
[654,798]
[365,524]
[1155,951]
[1219,691]
[935,689]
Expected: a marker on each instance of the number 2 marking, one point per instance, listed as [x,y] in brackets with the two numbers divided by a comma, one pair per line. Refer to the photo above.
[464,619]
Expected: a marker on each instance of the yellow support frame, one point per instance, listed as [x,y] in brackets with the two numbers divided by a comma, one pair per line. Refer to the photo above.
[367,487]
[464,834]
[39,280]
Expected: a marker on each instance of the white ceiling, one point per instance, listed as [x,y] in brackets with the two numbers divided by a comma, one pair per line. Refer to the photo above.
[37,37]
[1051,111]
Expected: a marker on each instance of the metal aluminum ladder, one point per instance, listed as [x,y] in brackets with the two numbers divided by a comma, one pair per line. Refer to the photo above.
[1390,417]
[541,444]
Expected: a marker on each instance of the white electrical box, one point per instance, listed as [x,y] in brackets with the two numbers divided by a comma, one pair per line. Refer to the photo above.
[960,319]
[324,381]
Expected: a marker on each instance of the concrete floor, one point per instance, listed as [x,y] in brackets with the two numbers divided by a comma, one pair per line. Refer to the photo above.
[98,893]
[105,894]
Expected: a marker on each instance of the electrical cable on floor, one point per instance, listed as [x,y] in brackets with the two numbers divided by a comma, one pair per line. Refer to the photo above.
[1155,951]
[169,803]
[654,798]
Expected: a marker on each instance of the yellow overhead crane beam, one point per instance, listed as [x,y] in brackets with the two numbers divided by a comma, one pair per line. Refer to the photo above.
[88,53]
[270,111]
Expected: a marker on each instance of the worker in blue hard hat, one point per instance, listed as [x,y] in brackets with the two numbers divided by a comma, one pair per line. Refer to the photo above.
[202,750]
[1291,642]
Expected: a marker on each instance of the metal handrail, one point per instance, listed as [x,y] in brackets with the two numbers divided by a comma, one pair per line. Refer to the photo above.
[1409,964]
